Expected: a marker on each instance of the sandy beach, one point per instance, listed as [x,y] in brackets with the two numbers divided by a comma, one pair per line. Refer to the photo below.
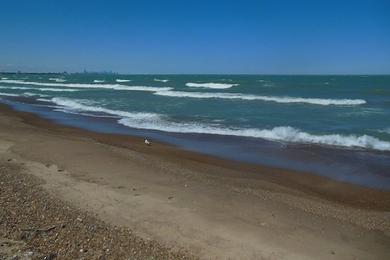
[187,204]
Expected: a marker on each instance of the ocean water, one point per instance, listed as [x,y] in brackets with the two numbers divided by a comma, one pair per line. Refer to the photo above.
[338,126]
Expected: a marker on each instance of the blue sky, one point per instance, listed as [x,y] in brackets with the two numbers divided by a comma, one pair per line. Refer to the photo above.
[266,37]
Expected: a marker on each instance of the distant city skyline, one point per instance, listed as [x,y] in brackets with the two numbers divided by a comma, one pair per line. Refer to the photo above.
[196,37]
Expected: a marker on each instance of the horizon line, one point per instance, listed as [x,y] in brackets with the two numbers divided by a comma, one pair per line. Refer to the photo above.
[249,74]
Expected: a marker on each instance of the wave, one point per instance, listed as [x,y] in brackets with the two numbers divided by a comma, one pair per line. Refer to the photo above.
[30,94]
[57,79]
[386,130]
[161,80]
[98,81]
[44,100]
[282,133]
[153,121]
[315,101]
[210,85]
[95,86]
[122,80]
[41,89]
[81,105]
[4,78]
[9,94]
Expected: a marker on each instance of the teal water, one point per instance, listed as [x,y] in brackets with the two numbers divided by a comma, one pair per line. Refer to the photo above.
[283,108]
[344,113]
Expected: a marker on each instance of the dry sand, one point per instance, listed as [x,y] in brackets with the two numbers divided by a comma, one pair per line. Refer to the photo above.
[210,207]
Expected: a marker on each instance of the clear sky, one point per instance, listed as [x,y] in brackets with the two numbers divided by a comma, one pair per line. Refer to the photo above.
[184,36]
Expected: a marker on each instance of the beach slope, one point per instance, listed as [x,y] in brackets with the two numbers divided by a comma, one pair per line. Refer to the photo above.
[208,207]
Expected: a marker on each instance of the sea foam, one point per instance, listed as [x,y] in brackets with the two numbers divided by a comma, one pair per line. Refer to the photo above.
[41,89]
[315,101]
[154,121]
[95,86]
[57,79]
[210,85]
[9,94]
[30,94]
[82,105]
[282,133]
[122,80]
[161,80]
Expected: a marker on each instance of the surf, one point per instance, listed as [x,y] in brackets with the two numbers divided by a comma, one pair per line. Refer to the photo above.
[93,86]
[122,80]
[210,85]
[288,134]
[314,101]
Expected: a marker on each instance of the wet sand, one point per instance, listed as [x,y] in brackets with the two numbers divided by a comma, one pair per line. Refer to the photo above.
[212,207]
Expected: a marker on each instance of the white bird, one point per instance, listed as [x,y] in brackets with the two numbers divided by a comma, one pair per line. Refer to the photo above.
[147,142]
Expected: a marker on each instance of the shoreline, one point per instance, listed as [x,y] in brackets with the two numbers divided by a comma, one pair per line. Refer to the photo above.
[312,184]
[211,207]
[362,167]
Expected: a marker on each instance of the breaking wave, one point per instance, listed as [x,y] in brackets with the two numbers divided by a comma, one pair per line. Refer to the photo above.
[386,131]
[30,94]
[316,101]
[161,80]
[41,89]
[95,86]
[122,80]
[9,94]
[282,133]
[153,121]
[57,79]
[98,81]
[79,105]
[210,85]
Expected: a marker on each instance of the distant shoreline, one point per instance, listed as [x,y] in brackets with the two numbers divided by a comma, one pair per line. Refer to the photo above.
[206,74]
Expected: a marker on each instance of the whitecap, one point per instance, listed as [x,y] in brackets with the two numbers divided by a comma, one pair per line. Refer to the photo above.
[94,86]
[153,121]
[41,89]
[44,100]
[210,85]
[30,94]
[82,105]
[9,94]
[386,130]
[315,101]
[57,79]
[161,80]
[98,81]
[122,80]
[282,133]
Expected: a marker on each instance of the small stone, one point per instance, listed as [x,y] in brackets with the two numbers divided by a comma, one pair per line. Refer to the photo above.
[51,256]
